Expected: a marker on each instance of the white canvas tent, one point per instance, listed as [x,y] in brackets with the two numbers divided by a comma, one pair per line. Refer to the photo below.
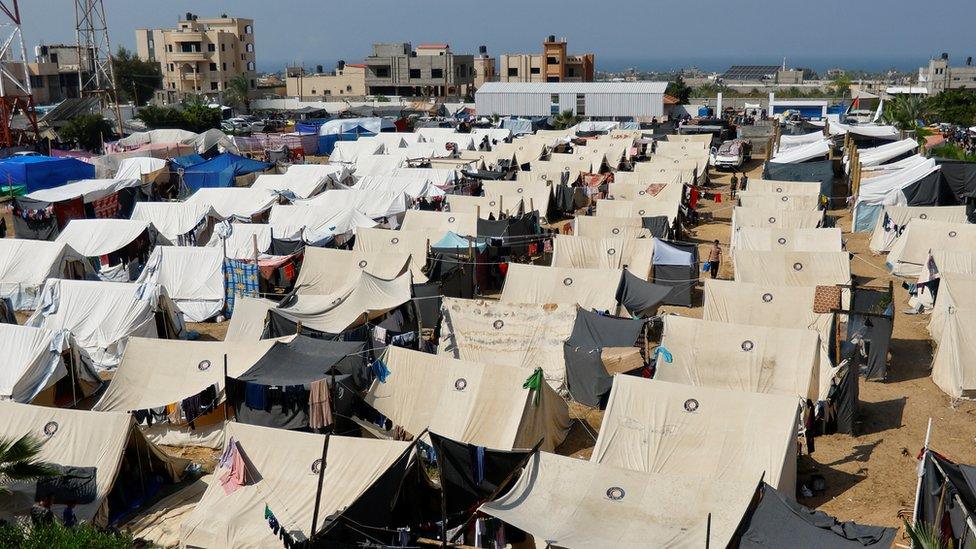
[247,323]
[763,239]
[89,190]
[193,278]
[32,361]
[895,218]
[244,241]
[591,226]
[328,270]
[437,176]
[875,156]
[908,254]
[772,219]
[740,357]
[792,268]
[464,224]
[235,202]
[97,237]
[802,153]
[301,183]
[638,209]
[26,264]
[787,187]
[472,402]
[535,196]
[316,224]
[604,253]
[954,364]
[284,469]
[136,167]
[483,206]
[887,190]
[778,201]
[373,203]
[526,335]
[956,291]
[659,427]
[176,223]
[414,187]
[589,288]
[350,151]
[566,502]
[333,313]
[403,242]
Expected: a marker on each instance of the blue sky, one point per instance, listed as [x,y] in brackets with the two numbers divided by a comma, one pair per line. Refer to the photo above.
[655,34]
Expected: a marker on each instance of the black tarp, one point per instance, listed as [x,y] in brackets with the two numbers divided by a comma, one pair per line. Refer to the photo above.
[776,521]
[931,190]
[564,202]
[959,480]
[821,170]
[874,330]
[455,274]
[427,297]
[596,330]
[465,484]
[69,485]
[659,226]
[492,227]
[587,378]
[30,226]
[286,247]
[639,295]
[681,279]
[844,400]
[959,176]
[305,359]
[279,326]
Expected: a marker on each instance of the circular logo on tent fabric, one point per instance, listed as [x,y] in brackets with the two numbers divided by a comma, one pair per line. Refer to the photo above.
[491,203]
[779,189]
[952,234]
[450,219]
[923,216]
[567,281]
[642,193]
[767,297]
[641,212]
[798,266]
[782,241]
[498,324]
[362,264]
[616,493]
[772,220]
[611,251]
[519,190]
[316,467]
[337,300]
[691,405]
[50,428]
[785,198]
[747,345]
[460,384]
[615,230]
[394,240]
[204,365]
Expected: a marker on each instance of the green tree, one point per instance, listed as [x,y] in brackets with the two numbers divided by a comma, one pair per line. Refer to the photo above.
[907,113]
[841,85]
[18,461]
[955,107]
[239,92]
[678,89]
[193,116]
[87,131]
[565,119]
[137,79]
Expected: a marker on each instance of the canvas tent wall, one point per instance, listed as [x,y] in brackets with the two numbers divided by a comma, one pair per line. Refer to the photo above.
[534,196]
[317,224]
[765,239]
[908,254]
[659,427]
[792,268]
[956,291]
[803,153]
[98,237]
[413,187]
[403,242]
[79,440]
[875,156]
[639,209]
[676,265]
[891,224]
[235,203]
[248,322]
[772,219]
[285,486]
[784,187]
[483,404]
[465,224]
[328,270]
[26,264]
[177,223]
[369,299]
[589,288]
[821,171]
[32,361]
[579,252]
[954,364]
[438,176]
[896,188]
[778,201]
[483,206]
[525,335]
[102,316]
[241,240]
[350,151]
[588,226]
[740,357]
[136,168]
[606,506]
[373,203]
[298,185]
[193,278]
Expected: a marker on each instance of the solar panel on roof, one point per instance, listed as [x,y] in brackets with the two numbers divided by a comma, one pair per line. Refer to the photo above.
[750,72]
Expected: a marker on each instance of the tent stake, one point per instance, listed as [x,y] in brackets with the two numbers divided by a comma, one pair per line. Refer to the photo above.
[708,531]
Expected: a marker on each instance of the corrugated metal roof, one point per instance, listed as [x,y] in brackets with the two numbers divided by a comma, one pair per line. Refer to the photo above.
[573,87]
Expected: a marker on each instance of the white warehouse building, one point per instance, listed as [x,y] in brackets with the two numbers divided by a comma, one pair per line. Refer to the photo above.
[595,100]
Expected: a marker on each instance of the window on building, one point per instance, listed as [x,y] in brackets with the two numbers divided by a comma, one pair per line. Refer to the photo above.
[571,72]
[36,81]
[172,85]
[313,91]
[535,70]
[512,71]
[223,47]
[243,57]
[248,29]
[253,84]
[554,103]
[348,88]
[223,66]
[552,60]
[214,86]
[580,104]
[54,57]
[382,72]
[437,73]
[151,43]
[213,66]
[250,65]
[172,67]
[329,92]
[211,47]
[414,73]
[552,79]
[169,47]
[249,47]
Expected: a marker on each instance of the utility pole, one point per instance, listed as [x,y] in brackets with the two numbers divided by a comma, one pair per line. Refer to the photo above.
[15,86]
[96,73]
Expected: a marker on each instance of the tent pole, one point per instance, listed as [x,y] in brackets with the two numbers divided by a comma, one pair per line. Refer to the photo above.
[708,531]
[225,387]
[918,485]
[318,490]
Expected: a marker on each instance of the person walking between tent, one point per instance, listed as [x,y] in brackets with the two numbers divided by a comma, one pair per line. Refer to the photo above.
[734,186]
[714,259]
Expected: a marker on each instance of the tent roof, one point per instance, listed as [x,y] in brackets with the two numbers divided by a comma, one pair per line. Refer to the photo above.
[89,189]
[604,253]
[235,201]
[240,243]
[882,240]
[304,360]
[767,239]
[96,237]
[954,363]
[337,312]
[467,401]
[661,427]
[329,270]
[373,203]
[172,219]
[588,226]
[461,223]
[908,254]
[589,288]
[316,222]
[402,242]
[792,268]
[32,360]
[31,262]
[638,209]
[778,201]
[193,277]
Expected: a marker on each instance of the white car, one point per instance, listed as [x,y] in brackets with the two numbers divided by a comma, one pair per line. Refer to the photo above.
[732,154]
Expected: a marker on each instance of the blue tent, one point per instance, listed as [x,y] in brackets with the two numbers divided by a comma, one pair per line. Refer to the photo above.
[453,241]
[188,160]
[221,170]
[43,172]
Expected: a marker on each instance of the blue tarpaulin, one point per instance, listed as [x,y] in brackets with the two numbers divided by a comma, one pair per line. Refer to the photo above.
[454,241]
[221,170]
[43,172]
[188,160]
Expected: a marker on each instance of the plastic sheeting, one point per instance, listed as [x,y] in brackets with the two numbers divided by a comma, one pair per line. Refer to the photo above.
[89,190]
[43,172]
[803,153]
[887,190]
[135,168]
[879,155]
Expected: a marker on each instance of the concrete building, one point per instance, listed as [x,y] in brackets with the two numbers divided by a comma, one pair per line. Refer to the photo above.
[348,80]
[552,65]
[939,75]
[430,70]
[639,101]
[741,75]
[200,56]
[484,67]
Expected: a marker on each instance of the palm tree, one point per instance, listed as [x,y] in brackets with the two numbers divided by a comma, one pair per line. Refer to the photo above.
[565,119]
[18,461]
[238,92]
[923,536]
[907,112]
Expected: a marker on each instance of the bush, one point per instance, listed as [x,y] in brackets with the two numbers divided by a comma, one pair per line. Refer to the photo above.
[88,131]
[952,152]
[194,117]
[56,536]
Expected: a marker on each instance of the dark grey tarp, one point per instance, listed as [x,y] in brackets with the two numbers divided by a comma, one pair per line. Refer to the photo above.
[874,330]
[681,278]
[286,247]
[427,297]
[471,474]
[564,199]
[593,330]
[492,227]
[778,522]
[845,400]
[931,190]
[305,359]
[959,176]
[455,275]
[279,326]
[587,378]
[28,226]
[70,485]
[659,226]
[821,170]
[639,295]
[959,479]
